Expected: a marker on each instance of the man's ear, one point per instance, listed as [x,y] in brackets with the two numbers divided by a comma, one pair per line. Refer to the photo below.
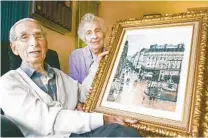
[14,48]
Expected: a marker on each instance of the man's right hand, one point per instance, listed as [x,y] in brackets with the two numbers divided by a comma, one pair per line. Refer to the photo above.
[79,107]
[118,120]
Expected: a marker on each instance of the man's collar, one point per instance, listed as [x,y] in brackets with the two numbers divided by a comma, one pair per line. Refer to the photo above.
[30,71]
[27,69]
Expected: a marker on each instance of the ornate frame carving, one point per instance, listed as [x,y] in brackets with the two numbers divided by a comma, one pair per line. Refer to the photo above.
[195,107]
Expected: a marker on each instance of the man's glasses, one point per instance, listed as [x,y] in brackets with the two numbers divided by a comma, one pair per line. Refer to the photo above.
[25,37]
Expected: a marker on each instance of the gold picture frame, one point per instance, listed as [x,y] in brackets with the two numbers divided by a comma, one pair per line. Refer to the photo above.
[156,72]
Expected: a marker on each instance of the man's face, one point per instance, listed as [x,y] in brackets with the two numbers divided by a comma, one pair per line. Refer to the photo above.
[30,45]
[94,36]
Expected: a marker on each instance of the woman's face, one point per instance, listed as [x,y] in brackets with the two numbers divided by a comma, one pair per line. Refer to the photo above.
[94,36]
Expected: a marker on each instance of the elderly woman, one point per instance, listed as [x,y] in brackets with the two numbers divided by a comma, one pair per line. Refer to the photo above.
[90,31]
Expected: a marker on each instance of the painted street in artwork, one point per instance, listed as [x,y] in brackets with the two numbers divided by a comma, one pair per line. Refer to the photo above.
[149,77]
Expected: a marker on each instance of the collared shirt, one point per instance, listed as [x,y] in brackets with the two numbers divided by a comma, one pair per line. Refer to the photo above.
[46,82]
[80,62]
[94,59]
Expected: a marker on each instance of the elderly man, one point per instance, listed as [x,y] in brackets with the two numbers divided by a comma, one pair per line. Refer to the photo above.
[41,100]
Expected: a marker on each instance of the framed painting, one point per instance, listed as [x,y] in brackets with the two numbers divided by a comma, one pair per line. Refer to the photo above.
[156,72]
[56,15]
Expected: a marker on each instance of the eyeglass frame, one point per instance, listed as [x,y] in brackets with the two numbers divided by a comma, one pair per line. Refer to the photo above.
[40,37]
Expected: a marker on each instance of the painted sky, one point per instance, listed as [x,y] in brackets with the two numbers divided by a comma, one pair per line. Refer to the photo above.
[143,38]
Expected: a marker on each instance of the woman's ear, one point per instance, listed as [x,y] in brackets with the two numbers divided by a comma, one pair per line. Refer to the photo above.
[14,48]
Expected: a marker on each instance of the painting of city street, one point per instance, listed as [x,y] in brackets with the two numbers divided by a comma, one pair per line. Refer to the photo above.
[155,73]
[149,70]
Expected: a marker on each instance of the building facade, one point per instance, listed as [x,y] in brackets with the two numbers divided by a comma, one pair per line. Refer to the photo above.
[160,62]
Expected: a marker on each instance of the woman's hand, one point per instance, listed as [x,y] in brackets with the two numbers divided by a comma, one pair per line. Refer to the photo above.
[100,56]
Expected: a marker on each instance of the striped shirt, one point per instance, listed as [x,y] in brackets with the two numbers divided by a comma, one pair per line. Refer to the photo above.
[46,82]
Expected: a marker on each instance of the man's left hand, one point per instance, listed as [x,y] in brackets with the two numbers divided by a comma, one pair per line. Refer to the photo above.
[79,107]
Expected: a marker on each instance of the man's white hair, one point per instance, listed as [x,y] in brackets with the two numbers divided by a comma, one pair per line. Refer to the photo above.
[12,33]
[89,18]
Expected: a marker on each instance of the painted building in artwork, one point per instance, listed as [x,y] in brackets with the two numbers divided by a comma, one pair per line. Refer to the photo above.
[159,62]
[123,59]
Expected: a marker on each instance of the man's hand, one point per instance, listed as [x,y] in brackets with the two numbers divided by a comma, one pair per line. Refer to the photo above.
[118,120]
[79,107]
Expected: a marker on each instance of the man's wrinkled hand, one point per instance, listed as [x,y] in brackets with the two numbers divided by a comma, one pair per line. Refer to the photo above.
[79,107]
[114,119]
[130,120]
[118,120]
